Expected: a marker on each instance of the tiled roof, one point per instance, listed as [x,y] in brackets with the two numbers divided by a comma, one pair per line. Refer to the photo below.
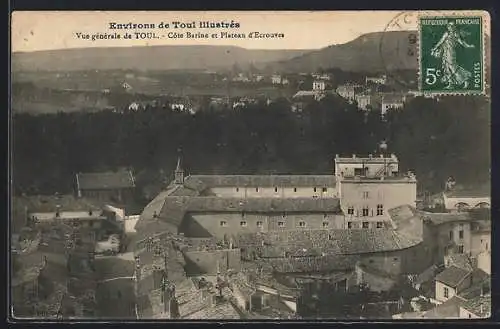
[51,203]
[313,264]
[442,218]
[461,261]
[450,309]
[470,192]
[221,311]
[262,180]
[452,276]
[105,180]
[480,306]
[381,159]
[335,242]
[392,98]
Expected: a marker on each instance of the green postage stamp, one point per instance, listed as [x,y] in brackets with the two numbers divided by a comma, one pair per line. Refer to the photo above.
[451,54]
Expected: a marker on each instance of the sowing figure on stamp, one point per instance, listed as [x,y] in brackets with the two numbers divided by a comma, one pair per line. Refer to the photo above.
[445,49]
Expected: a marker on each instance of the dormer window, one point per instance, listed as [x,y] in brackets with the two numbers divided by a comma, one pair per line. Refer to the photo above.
[275,190]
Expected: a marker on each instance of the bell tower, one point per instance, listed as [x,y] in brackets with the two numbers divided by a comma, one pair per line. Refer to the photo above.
[179,172]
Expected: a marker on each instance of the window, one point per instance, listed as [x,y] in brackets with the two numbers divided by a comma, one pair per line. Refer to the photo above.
[223,223]
[256,189]
[295,189]
[243,223]
[365,211]
[237,189]
[380,209]
[259,223]
[461,234]
[451,235]
[446,292]
[325,216]
[243,215]
[395,259]
[302,224]
[349,224]
[350,211]
[365,195]
[315,189]
[284,215]
[325,224]
[460,249]
[380,224]
[281,224]
[366,224]
[325,189]
[275,190]
[486,245]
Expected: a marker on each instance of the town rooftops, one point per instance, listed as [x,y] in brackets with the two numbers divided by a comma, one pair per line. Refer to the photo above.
[105,180]
[452,276]
[450,309]
[480,305]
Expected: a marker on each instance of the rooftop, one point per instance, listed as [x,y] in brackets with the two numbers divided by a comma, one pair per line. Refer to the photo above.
[51,203]
[443,218]
[331,242]
[172,210]
[105,180]
[259,181]
[480,306]
[452,276]
[450,309]
[481,191]
[381,158]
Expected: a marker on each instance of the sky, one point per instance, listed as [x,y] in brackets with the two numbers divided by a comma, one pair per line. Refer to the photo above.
[33,31]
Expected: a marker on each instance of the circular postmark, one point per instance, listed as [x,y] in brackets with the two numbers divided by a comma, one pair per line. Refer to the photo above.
[398,49]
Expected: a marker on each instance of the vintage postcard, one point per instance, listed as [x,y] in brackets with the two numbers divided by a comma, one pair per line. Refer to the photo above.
[250,165]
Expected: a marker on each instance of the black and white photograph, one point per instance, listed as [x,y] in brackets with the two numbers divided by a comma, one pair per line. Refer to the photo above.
[256,165]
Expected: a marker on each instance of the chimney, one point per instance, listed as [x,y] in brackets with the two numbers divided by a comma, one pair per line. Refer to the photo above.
[370,156]
[381,156]
[336,156]
[354,156]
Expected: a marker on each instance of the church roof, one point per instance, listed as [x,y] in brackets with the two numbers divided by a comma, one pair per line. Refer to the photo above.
[260,181]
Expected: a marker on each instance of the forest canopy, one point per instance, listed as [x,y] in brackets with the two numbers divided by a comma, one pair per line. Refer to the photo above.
[435,139]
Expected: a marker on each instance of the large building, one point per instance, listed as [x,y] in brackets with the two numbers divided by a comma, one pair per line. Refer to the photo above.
[368,186]
[106,186]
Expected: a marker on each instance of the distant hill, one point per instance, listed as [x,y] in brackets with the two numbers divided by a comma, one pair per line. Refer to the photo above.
[146,58]
[372,52]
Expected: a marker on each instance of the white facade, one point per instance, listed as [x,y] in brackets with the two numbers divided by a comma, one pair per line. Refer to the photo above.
[276,192]
[319,85]
[458,203]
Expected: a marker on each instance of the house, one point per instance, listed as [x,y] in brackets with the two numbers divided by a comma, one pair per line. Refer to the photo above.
[369,186]
[392,102]
[476,308]
[276,79]
[348,91]
[319,85]
[454,280]
[115,186]
[381,80]
[458,199]
[365,101]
